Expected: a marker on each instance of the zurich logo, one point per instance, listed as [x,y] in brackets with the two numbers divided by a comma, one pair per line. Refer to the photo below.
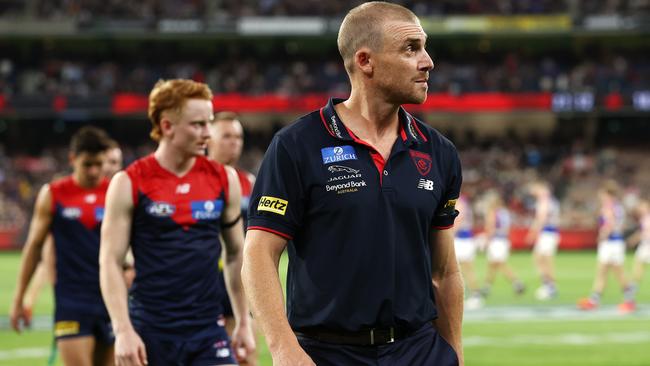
[206,210]
[208,206]
[338,153]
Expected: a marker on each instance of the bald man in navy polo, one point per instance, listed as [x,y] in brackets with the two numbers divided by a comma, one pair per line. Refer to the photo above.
[362,195]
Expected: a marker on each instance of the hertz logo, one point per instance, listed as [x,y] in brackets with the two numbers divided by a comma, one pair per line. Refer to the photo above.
[272,204]
[451,203]
[64,328]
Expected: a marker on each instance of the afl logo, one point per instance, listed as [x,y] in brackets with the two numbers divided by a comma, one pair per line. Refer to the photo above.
[71,213]
[338,150]
[161,209]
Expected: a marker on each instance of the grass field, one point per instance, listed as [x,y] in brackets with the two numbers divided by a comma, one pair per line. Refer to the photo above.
[508,331]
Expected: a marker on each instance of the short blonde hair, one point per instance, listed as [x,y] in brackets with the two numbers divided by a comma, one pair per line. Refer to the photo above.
[363,26]
[225,116]
[171,95]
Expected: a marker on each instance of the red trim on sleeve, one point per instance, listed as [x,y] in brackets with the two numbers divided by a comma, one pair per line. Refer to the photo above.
[322,117]
[443,227]
[134,186]
[52,199]
[286,236]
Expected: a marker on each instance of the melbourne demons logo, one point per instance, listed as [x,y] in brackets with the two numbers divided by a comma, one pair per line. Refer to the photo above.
[422,161]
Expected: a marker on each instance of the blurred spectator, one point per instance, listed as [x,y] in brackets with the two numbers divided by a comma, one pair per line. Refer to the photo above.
[277,73]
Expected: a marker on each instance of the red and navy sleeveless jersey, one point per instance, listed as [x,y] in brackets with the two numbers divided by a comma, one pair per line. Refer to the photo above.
[77,216]
[174,238]
[359,225]
[246,190]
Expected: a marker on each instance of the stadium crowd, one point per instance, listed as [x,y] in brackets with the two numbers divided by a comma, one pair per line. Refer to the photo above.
[506,165]
[600,73]
[151,10]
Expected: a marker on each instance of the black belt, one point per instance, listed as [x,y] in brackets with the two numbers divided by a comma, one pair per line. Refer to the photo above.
[364,337]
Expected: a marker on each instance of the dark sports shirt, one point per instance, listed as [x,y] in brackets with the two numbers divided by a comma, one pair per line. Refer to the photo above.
[174,236]
[77,216]
[359,226]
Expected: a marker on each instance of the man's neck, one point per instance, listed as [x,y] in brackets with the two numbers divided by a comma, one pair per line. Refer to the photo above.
[175,162]
[370,119]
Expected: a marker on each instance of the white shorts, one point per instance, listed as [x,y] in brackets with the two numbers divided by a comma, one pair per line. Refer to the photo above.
[643,252]
[611,252]
[465,249]
[498,250]
[547,243]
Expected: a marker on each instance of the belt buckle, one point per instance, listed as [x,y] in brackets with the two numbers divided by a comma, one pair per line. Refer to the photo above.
[391,340]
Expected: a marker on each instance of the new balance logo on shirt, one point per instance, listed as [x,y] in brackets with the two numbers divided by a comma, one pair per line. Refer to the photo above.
[425,184]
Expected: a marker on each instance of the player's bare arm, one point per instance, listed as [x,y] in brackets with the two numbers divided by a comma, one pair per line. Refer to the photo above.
[262,251]
[116,228]
[448,288]
[38,230]
[233,236]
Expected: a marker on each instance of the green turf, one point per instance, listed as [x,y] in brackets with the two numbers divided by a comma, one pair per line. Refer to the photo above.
[620,341]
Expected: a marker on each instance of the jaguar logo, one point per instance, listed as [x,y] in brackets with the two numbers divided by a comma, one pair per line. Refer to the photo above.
[341,168]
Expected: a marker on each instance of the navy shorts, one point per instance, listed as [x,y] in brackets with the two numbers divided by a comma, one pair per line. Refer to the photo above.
[423,347]
[206,349]
[71,323]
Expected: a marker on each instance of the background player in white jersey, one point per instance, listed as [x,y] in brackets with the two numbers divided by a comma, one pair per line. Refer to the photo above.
[465,247]
[642,237]
[497,230]
[544,236]
[611,249]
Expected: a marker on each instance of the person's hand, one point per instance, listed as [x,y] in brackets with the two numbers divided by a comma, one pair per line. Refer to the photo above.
[294,356]
[129,349]
[243,341]
[19,314]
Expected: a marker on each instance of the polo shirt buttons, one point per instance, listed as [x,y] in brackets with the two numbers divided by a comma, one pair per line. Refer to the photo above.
[385,172]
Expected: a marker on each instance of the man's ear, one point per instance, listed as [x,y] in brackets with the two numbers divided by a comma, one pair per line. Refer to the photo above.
[363,61]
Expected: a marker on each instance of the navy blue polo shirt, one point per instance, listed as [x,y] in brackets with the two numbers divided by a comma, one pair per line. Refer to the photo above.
[359,226]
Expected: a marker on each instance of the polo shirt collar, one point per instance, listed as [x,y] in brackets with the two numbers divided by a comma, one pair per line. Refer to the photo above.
[409,131]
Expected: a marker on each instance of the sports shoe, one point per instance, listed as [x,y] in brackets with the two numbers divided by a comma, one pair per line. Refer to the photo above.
[587,304]
[627,307]
[545,293]
[519,288]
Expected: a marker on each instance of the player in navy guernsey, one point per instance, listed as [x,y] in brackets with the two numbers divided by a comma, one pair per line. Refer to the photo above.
[171,207]
[72,209]
[362,195]
[225,146]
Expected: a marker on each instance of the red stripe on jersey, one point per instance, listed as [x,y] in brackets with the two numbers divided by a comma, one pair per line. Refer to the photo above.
[262,228]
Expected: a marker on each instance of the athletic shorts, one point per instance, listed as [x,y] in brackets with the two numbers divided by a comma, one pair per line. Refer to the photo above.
[71,323]
[547,243]
[643,252]
[210,347]
[465,249]
[424,347]
[611,252]
[498,250]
